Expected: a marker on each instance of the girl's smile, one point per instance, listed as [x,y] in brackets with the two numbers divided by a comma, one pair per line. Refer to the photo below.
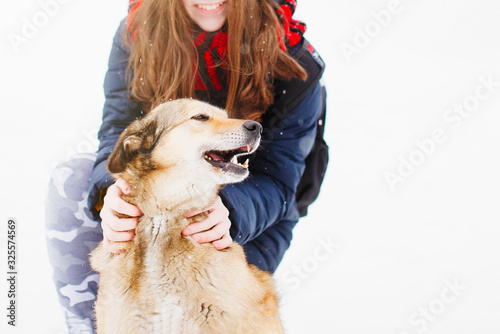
[209,16]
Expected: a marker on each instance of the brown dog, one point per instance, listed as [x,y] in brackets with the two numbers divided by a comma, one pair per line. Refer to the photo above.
[175,160]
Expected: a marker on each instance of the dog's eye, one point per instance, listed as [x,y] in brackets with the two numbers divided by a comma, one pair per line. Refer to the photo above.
[200,117]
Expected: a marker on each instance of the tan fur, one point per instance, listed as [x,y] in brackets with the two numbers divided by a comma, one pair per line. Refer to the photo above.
[164,282]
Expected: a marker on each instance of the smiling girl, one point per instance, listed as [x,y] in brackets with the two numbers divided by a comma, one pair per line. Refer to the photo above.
[247,56]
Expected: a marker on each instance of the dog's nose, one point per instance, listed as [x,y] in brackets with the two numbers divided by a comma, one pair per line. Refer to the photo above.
[253,126]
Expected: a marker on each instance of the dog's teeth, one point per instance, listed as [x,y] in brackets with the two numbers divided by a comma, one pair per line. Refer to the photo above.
[208,157]
[245,163]
[234,160]
[249,148]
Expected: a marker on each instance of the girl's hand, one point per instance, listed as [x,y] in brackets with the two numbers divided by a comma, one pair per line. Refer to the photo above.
[214,229]
[119,218]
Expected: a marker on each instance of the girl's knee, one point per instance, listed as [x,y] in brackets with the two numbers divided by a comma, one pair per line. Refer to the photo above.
[66,198]
[71,179]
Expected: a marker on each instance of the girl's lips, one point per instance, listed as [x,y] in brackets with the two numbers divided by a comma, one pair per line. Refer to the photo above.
[211,8]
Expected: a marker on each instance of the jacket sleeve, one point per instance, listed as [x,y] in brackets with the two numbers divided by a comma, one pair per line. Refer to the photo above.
[118,112]
[267,196]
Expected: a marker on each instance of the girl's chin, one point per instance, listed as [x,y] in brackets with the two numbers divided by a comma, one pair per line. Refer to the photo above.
[211,25]
[210,20]
[211,28]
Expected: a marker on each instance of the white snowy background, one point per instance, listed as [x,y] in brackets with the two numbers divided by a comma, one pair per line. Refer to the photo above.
[422,256]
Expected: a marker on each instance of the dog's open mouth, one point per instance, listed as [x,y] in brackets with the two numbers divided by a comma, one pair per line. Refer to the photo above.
[236,158]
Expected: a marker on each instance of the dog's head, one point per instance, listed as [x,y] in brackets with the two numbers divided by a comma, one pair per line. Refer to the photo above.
[188,138]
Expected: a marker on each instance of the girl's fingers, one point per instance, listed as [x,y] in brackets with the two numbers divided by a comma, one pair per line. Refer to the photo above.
[115,223]
[198,227]
[197,212]
[218,214]
[216,206]
[209,223]
[114,228]
[123,185]
[113,201]
[214,229]
[214,234]
[193,213]
[108,246]
[117,236]
[106,243]
[224,242]
[122,224]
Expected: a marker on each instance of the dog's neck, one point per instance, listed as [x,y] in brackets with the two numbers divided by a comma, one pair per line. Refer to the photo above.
[166,197]
[164,203]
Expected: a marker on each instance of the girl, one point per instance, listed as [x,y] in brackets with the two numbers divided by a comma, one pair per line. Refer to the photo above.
[247,56]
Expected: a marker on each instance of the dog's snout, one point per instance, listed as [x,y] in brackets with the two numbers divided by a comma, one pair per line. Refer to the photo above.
[253,126]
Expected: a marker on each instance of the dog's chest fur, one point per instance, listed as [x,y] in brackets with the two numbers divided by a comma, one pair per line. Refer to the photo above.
[166,283]
[165,305]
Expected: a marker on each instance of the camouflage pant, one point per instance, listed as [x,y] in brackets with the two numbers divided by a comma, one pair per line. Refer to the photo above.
[71,235]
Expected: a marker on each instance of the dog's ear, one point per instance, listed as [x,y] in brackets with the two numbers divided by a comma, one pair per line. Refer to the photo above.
[139,137]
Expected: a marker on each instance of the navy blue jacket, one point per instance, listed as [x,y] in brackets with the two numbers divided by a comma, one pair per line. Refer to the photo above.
[262,208]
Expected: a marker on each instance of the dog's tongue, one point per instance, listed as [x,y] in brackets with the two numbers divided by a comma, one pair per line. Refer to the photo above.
[215,156]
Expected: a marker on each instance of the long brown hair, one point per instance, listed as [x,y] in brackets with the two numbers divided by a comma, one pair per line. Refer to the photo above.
[160,34]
